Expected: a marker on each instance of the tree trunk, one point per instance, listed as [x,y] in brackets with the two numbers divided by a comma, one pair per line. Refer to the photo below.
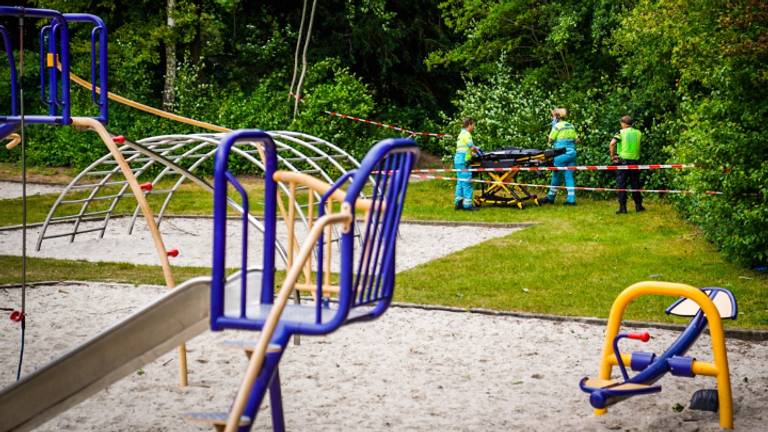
[169,95]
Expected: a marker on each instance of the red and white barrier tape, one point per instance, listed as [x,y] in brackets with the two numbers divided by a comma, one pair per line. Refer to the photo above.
[567,168]
[581,188]
[385,125]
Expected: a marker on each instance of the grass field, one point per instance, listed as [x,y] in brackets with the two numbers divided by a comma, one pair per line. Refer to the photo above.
[573,261]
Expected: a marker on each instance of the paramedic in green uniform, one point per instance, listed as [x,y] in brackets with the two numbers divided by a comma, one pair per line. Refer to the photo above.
[627,153]
[563,134]
[465,147]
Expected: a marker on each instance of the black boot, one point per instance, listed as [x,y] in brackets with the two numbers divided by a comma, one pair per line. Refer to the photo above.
[639,208]
[622,208]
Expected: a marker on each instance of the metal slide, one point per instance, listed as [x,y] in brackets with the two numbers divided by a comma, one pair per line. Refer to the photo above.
[139,339]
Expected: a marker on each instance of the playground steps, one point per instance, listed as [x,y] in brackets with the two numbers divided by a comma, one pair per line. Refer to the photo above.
[216,419]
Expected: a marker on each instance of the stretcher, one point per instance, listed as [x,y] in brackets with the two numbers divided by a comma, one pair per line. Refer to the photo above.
[501,190]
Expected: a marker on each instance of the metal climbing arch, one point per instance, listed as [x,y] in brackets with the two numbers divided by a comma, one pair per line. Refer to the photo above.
[164,163]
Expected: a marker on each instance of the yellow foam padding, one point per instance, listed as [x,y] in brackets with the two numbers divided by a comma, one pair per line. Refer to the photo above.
[630,386]
[49,62]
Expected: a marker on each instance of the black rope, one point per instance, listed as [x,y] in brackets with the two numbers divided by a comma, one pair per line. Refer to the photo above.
[23,201]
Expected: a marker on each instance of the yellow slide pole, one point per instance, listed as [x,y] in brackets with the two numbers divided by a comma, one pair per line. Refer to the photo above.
[99,128]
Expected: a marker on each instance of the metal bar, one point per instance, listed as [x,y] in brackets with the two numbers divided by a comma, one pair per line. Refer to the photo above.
[180,181]
[167,171]
[73,233]
[70,217]
[89,199]
[97,185]
[187,156]
[100,173]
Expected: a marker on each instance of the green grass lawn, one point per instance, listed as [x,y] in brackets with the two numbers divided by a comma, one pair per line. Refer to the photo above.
[573,261]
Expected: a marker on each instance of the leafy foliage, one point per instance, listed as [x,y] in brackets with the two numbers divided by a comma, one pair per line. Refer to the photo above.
[692,74]
[716,54]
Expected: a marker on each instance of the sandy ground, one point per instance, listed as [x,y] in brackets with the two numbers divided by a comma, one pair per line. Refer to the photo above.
[193,237]
[10,190]
[410,370]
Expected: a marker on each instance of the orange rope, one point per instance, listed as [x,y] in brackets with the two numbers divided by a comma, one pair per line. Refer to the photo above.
[155,111]
[149,109]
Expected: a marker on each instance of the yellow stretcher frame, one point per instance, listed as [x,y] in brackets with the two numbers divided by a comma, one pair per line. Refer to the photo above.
[718,368]
[502,182]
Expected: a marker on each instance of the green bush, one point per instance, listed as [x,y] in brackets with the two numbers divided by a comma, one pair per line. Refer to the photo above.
[730,158]
[706,63]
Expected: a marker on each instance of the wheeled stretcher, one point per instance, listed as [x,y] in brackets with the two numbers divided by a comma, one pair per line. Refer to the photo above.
[500,191]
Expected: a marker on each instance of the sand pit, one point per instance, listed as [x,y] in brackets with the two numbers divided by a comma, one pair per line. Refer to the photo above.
[418,243]
[411,370]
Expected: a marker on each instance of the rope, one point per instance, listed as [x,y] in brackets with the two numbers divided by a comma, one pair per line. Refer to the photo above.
[298,49]
[565,168]
[304,59]
[22,317]
[385,125]
[148,109]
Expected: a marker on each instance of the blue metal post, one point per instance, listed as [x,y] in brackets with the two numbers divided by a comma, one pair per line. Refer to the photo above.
[99,31]
[220,184]
[12,64]
[244,244]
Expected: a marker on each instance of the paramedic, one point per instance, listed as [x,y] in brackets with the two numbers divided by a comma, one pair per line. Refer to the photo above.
[563,134]
[465,148]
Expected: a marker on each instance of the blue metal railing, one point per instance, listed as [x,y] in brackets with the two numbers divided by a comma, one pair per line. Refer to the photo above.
[220,183]
[392,161]
[54,67]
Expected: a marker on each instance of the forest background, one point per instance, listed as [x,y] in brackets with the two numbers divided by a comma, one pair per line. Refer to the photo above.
[693,74]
